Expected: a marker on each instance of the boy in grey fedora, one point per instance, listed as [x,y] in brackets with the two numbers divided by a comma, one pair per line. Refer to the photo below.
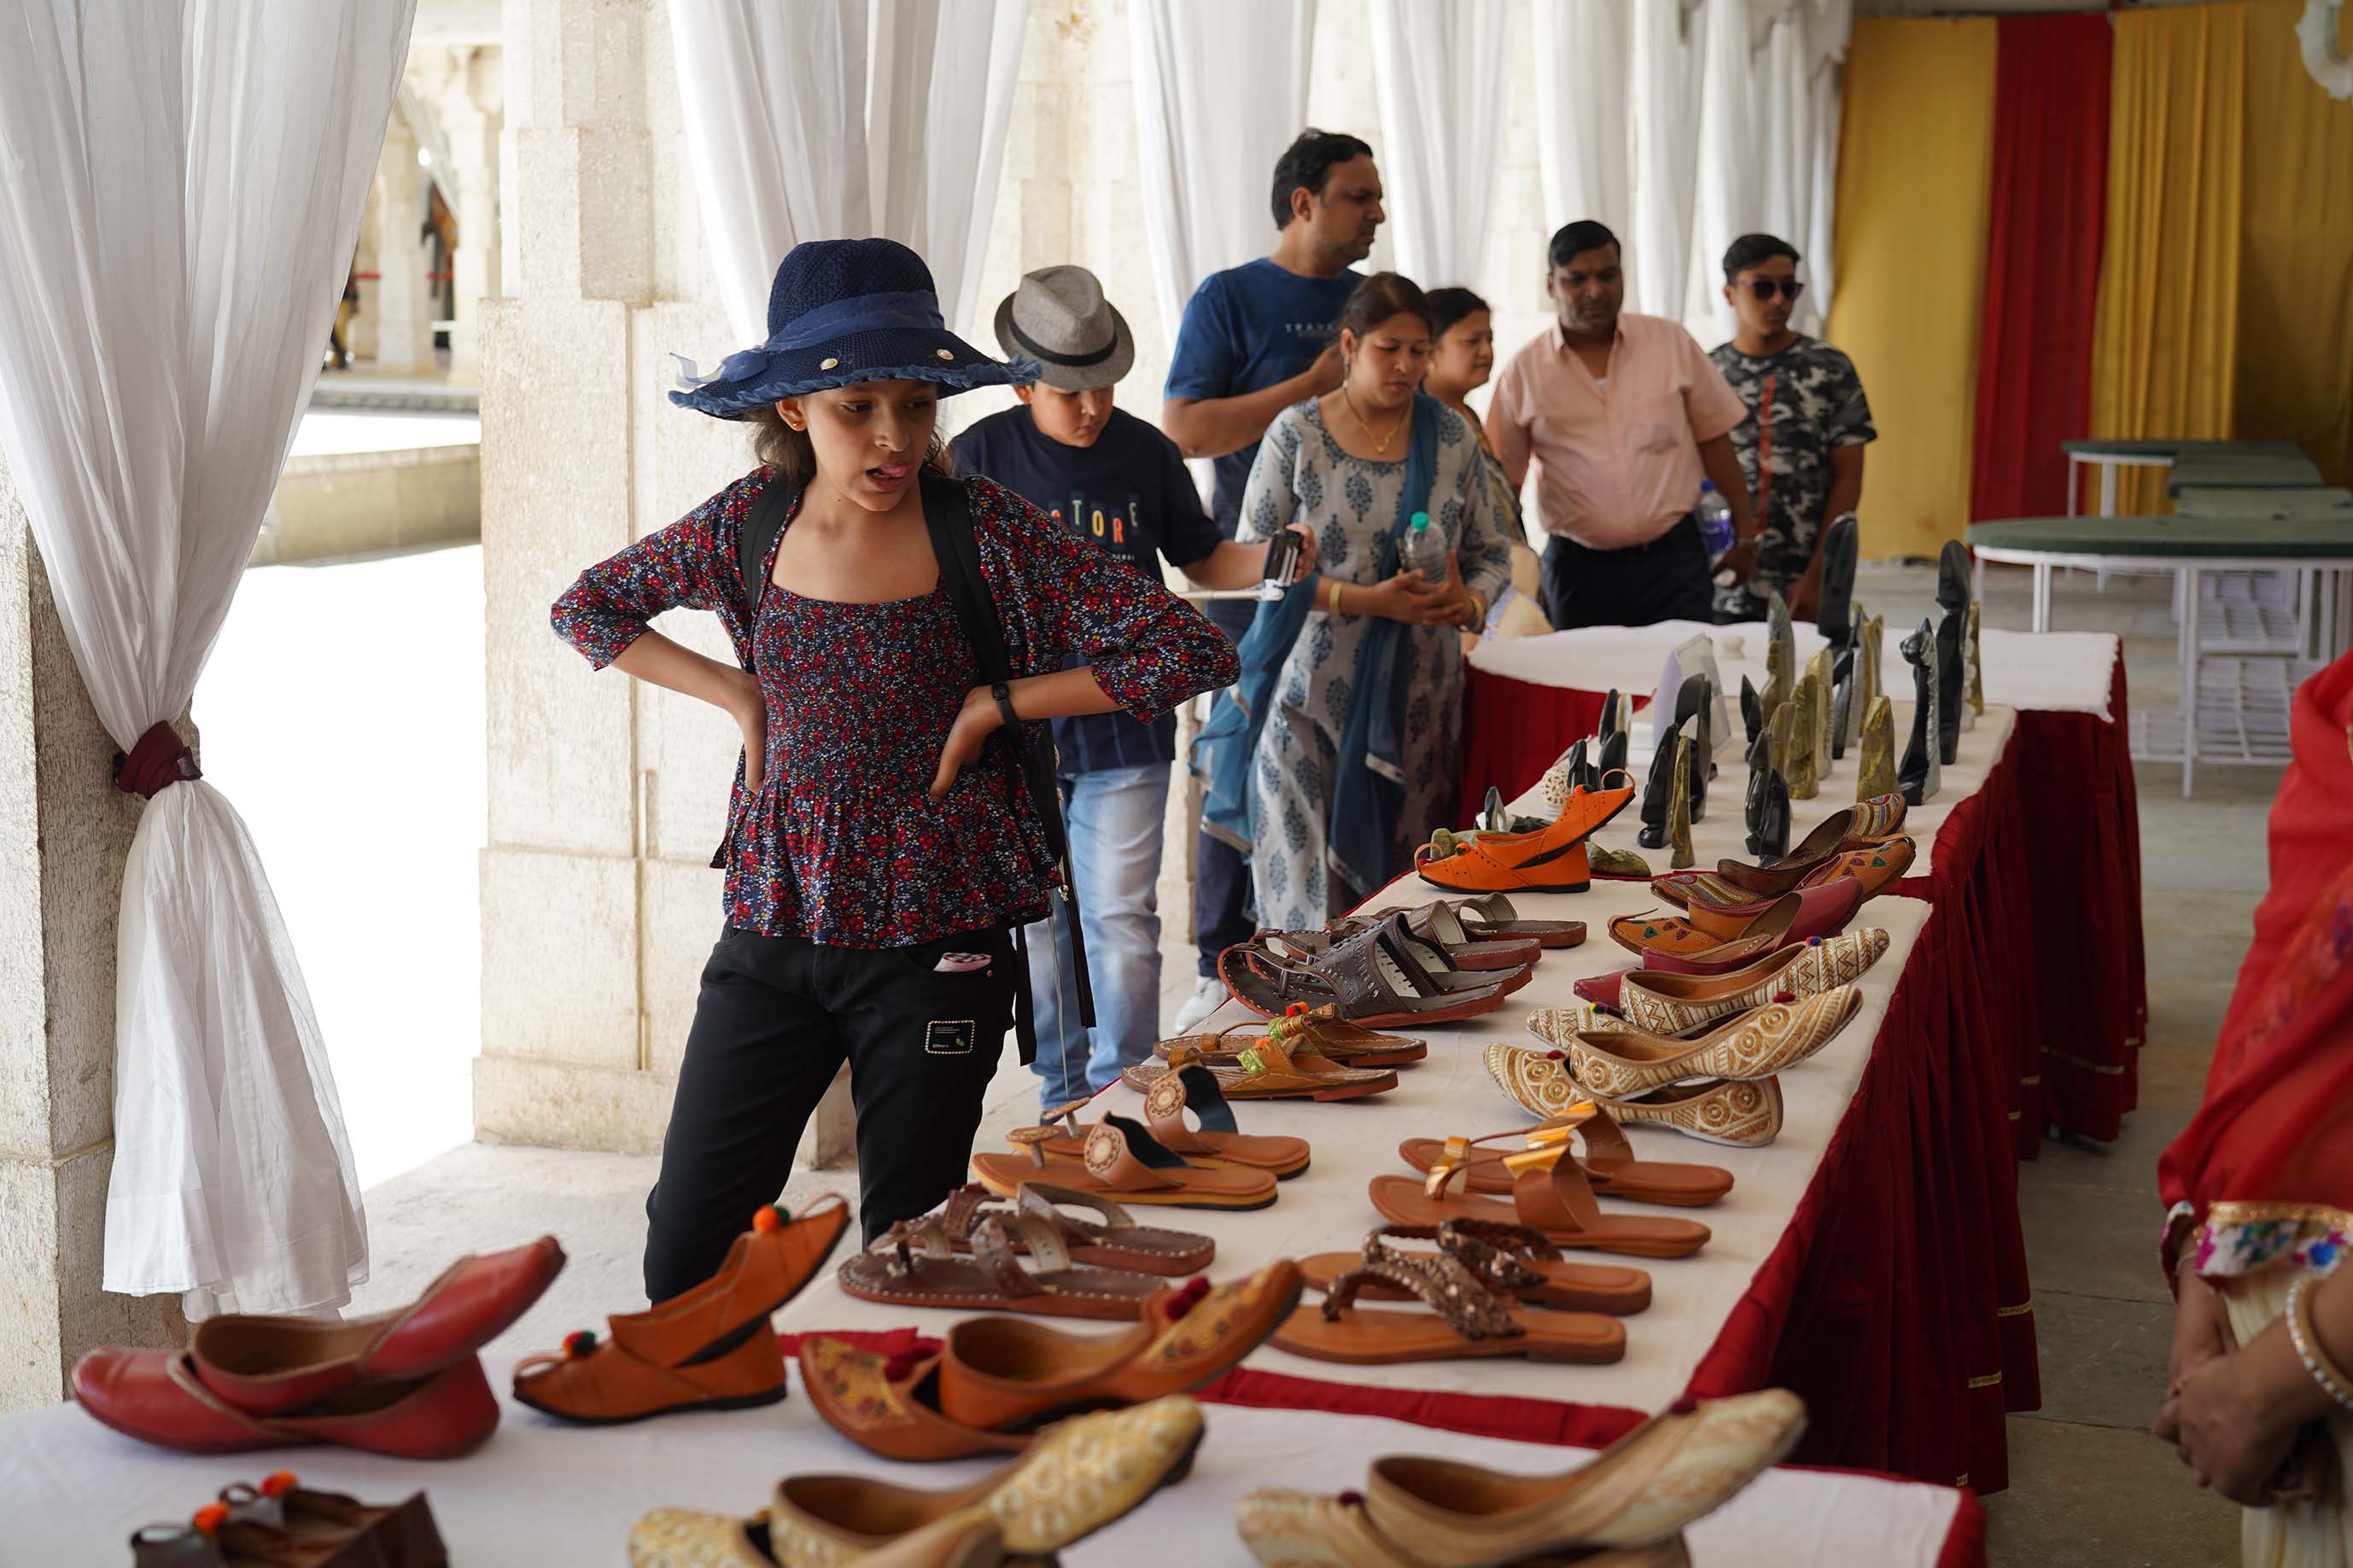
[1113,480]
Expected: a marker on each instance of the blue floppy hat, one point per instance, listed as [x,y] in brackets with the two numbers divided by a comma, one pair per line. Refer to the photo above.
[842,312]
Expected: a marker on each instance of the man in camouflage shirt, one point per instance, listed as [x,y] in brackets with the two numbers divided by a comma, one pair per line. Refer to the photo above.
[1801,445]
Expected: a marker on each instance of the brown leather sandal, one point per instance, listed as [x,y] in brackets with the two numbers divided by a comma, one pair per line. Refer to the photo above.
[1491,916]
[915,1264]
[1373,978]
[658,1361]
[1609,1161]
[1320,1029]
[1508,965]
[1468,1318]
[1268,1070]
[1218,1144]
[1124,1159]
[1511,1258]
[1549,1193]
[1435,925]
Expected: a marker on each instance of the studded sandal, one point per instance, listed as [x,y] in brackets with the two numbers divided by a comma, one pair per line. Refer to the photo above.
[1511,1258]
[915,1264]
[1468,1317]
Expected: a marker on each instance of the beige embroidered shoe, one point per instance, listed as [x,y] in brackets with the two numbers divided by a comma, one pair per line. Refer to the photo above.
[1080,1476]
[676,1538]
[1744,1113]
[1626,1508]
[1663,1002]
[1756,1044]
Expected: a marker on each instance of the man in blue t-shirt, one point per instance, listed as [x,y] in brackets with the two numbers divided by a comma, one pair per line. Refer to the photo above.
[1110,478]
[1255,340]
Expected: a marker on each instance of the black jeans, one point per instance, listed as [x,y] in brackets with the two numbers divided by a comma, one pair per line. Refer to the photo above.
[776,1017]
[1665,579]
[1222,878]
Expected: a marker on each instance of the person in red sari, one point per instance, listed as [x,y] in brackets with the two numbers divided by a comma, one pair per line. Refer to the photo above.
[2260,1400]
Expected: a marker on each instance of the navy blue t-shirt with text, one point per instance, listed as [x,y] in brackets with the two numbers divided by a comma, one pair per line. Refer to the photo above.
[1131,495]
[1246,329]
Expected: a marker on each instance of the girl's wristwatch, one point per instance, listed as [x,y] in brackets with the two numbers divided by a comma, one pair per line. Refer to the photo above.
[1004,695]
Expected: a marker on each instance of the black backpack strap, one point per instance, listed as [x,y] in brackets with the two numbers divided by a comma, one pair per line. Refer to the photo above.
[761,526]
[947,515]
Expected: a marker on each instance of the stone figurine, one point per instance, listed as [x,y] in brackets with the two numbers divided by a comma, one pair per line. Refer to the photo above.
[1834,607]
[1685,746]
[1772,838]
[1875,771]
[1778,628]
[1818,671]
[1780,674]
[1870,650]
[1779,729]
[1760,770]
[1805,706]
[1752,711]
[1972,650]
[1952,675]
[1842,718]
[1918,775]
[1694,702]
[1655,790]
[1617,720]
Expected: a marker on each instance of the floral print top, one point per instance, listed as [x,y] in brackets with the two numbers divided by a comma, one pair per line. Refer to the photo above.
[842,844]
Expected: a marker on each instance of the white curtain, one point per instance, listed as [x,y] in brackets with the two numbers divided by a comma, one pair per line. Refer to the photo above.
[1439,69]
[838,119]
[1221,91]
[1584,60]
[1666,78]
[1825,25]
[180,189]
[1737,143]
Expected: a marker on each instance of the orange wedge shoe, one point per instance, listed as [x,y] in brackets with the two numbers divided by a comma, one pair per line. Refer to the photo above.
[1550,860]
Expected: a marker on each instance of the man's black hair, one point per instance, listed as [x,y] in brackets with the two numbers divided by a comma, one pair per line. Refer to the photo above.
[1751,248]
[1575,239]
[1307,162]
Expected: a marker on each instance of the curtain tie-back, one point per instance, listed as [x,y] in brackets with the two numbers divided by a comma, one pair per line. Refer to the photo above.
[160,759]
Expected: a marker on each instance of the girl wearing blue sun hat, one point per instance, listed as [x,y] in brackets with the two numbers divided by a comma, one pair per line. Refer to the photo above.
[883,837]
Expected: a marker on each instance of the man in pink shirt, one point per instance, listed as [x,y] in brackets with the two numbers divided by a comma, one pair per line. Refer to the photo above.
[1623,415]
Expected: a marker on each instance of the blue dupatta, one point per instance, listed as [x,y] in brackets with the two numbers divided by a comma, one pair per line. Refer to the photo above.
[1369,790]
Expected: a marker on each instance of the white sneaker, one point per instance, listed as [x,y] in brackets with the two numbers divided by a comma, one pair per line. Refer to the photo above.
[1209,995]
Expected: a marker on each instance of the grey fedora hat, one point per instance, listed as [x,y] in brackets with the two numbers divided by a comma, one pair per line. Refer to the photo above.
[1059,317]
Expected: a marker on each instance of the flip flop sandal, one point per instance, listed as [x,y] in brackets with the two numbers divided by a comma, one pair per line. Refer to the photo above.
[1466,1321]
[1623,1508]
[1511,1258]
[1268,1070]
[1373,978]
[915,1264]
[1549,1193]
[1124,1159]
[1218,1143]
[1610,1167]
[1320,1029]
[1491,916]
[1436,960]
[1117,1242]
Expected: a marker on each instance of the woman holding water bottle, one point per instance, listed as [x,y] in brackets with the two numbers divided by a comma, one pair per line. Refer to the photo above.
[1354,760]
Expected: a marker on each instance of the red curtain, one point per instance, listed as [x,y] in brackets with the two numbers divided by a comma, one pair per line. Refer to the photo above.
[2048,196]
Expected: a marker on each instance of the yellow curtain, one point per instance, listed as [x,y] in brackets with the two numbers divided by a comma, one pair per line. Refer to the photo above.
[2165,347]
[2295,380]
[1916,152]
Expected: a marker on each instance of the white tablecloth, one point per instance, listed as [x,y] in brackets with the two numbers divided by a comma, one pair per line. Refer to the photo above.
[543,1494]
[2061,671]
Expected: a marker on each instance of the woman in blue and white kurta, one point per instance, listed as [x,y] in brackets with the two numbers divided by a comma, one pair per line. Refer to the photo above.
[1302,475]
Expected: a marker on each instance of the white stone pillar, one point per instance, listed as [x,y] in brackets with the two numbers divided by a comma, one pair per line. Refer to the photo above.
[404,325]
[64,833]
[472,116]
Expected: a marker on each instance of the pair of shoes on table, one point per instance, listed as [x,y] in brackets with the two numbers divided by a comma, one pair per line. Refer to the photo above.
[993,1383]
[1381,977]
[1550,860]
[1626,1508]
[1722,900]
[407,1383]
[1082,1475]
[1663,1002]
[1162,1161]
[283,1524]
[1277,1066]
[1321,1030]
[1676,943]
[662,1359]
[1741,1112]
[1033,1257]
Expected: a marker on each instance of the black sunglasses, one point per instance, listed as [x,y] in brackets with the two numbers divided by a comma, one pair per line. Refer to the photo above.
[1765,287]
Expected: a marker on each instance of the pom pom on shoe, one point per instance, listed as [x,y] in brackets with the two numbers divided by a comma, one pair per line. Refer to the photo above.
[770,1217]
[277,1483]
[1189,1296]
[579,1342]
[209,1518]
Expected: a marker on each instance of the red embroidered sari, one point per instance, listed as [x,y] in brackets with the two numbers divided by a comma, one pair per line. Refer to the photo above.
[2264,1174]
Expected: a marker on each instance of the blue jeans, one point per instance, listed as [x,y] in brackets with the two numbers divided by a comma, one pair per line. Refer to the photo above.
[1114,819]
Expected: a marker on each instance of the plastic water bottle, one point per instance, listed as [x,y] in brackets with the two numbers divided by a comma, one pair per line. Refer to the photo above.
[1715,520]
[1422,549]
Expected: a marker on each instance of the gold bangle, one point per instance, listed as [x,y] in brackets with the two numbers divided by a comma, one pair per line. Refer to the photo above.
[1478,610]
[1332,596]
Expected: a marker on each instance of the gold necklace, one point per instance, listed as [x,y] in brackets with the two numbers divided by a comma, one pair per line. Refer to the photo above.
[1380,443]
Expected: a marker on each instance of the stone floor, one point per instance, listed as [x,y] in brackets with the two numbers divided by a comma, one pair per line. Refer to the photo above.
[2088,1484]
